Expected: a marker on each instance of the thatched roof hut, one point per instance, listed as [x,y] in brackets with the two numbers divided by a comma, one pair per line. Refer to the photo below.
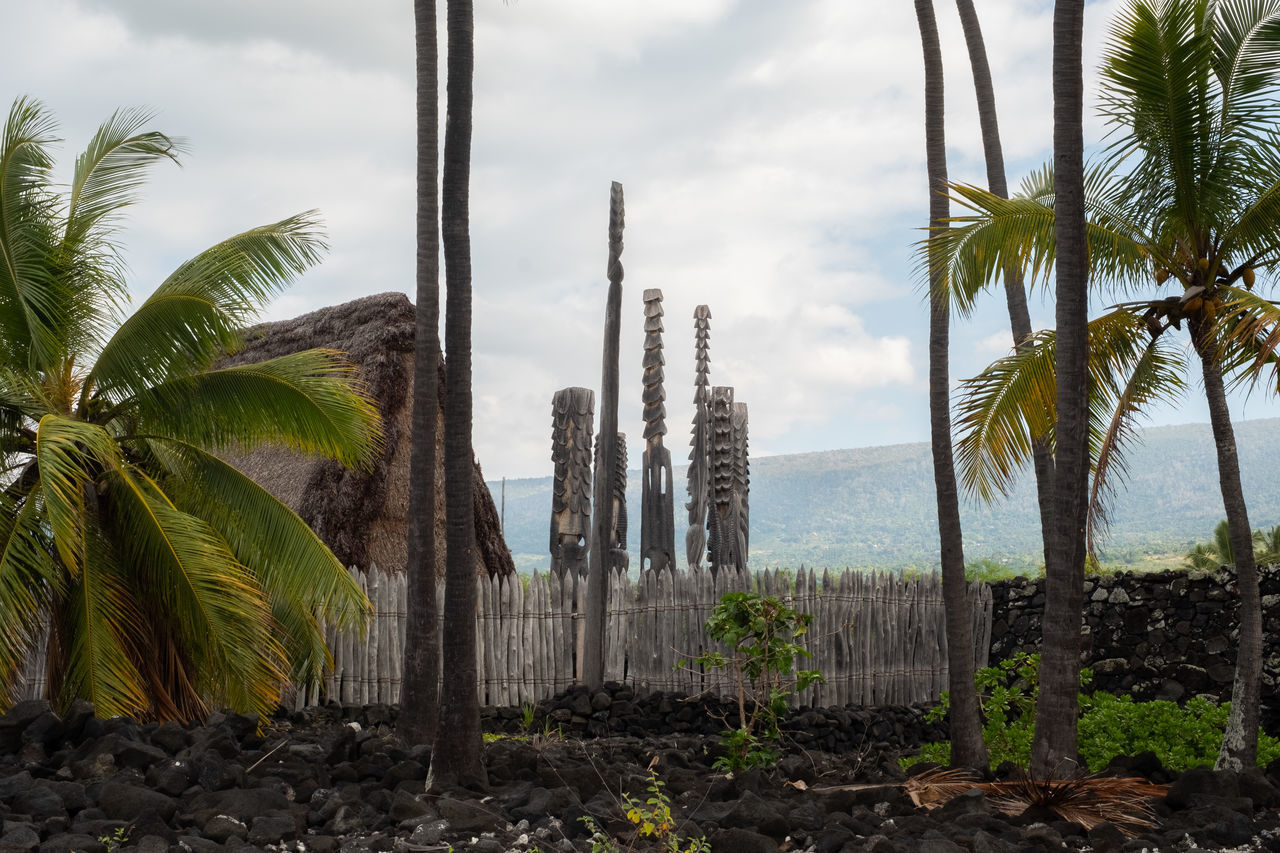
[362,515]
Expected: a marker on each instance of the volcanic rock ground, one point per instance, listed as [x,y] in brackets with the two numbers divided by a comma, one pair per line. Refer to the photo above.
[334,779]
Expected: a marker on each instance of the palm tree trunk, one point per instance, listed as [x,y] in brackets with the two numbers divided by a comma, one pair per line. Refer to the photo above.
[1240,743]
[1054,747]
[455,759]
[967,748]
[419,702]
[1014,288]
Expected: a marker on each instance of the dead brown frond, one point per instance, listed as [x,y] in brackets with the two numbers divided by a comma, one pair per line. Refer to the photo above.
[932,788]
[1089,801]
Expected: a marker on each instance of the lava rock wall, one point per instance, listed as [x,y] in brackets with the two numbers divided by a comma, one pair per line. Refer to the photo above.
[1161,635]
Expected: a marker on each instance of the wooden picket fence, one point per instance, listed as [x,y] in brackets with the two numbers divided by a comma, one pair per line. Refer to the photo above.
[878,638]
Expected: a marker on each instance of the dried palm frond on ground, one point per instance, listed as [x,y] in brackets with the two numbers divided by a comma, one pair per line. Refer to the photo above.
[935,787]
[1124,803]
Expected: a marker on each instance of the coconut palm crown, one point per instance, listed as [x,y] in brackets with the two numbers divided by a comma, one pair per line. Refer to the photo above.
[167,581]
[1184,201]
[1186,196]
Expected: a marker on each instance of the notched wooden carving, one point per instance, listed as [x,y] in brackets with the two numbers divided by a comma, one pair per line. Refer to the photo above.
[573,413]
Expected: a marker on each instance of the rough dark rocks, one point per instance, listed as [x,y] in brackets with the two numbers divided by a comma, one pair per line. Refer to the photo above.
[336,780]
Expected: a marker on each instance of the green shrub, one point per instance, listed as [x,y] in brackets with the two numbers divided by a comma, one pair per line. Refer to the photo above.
[1181,737]
[651,822]
[763,637]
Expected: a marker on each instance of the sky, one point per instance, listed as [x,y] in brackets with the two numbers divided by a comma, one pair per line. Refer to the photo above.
[771,154]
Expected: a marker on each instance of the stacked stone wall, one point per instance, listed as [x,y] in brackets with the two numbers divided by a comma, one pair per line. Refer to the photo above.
[1163,635]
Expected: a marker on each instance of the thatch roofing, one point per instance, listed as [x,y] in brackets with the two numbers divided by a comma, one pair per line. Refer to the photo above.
[362,515]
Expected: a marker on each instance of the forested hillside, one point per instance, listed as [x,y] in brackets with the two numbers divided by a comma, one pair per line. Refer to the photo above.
[874,507]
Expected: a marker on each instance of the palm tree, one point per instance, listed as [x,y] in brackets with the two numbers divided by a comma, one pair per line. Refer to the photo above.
[1188,192]
[1217,552]
[967,747]
[997,183]
[168,580]
[420,700]
[1266,546]
[456,756]
[1054,741]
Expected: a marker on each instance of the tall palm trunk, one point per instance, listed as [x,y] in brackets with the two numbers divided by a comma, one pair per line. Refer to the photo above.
[456,757]
[1240,743]
[1014,288]
[419,702]
[967,748]
[1054,747]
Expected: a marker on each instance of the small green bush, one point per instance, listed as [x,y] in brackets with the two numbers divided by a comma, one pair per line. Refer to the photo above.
[1181,737]
[763,636]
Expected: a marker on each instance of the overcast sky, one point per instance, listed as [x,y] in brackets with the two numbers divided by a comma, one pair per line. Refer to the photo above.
[772,156]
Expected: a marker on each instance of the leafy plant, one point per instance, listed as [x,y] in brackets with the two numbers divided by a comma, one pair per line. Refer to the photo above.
[1181,737]
[1007,693]
[762,634]
[115,840]
[651,818]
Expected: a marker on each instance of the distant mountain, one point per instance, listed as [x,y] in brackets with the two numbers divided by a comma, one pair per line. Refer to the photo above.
[874,506]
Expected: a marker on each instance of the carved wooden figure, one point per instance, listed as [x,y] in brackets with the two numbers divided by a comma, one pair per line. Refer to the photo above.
[695,540]
[722,521]
[741,481]
[619,559]
[572,412]
[607,459]
[657,507]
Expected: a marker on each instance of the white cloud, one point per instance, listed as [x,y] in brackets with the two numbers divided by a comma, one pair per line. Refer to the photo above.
[772,155]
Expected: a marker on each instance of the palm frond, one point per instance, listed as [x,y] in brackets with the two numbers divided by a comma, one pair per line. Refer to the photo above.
[201,593]
[1250,325]
[111,170]
[29,297]
[198,313]
[1013,402]
[933,788]
[71,454]
[91,650]
[1001,412]
[264,534]
[105,181]
[28,579]
[308,401]
[1160,97]
[972,252]
[1141,373]
[1246,55]
[1255,231]
[1124,803]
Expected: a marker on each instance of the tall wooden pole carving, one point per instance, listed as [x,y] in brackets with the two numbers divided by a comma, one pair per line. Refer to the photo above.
[722,520]
[741,482]
[572,414]
[657,507]
[606,457]
[695,540]
[619,559]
